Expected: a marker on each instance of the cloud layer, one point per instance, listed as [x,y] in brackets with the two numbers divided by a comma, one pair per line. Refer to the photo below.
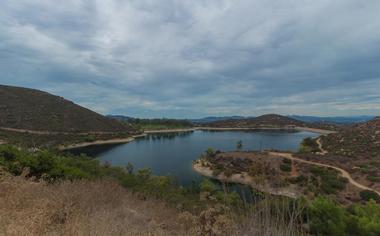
[198,57]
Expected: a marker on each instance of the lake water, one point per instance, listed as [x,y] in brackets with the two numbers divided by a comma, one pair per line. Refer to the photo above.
[173,153]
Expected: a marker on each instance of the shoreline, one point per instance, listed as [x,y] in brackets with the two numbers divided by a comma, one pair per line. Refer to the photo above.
[285,128]
[242,178]
[169,131]
[99,142]
[132,138]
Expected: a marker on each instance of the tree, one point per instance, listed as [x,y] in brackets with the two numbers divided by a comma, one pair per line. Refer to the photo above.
[239,145]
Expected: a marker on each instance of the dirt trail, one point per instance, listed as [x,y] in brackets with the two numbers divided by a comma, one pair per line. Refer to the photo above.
[323,151]
[42,132]
[344,173]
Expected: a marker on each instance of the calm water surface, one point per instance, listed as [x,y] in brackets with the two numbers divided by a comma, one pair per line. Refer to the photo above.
[172,154]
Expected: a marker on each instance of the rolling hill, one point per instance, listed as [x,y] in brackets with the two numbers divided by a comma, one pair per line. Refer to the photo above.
[273,121]
[359,141]
[29,109]
[260,121]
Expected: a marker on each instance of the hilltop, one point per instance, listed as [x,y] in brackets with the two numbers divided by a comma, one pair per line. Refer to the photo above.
[273,121]
[30,109]
[153,124]
[264,120]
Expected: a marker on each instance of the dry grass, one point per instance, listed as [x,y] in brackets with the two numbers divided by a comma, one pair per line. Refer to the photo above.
[80,208]
[105,208]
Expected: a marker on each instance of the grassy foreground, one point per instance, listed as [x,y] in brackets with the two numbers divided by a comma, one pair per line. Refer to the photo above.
[48,193]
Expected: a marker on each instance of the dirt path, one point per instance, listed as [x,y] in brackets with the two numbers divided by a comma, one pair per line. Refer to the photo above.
[245,179]
[323,151]
[42,132]
[344,173]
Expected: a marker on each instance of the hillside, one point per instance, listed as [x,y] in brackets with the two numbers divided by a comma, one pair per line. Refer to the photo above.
[29,109]
[361,140]
[333,119]
[153,124]
[355,149]
[273,121]
[264,120]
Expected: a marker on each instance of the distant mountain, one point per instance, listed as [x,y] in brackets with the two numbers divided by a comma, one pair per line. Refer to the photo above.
[121,117]
[333,119]
[308,119]
[216,118]
[30,109]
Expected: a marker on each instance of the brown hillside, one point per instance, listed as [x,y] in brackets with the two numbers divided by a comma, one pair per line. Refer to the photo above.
[22,108]
[361,140]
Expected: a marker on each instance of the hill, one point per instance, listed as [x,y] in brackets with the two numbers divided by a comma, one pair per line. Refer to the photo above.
[269,120]
[153,124]
[216,118]
[273,121]
[30,109]
[355,149]
[333,119]
[360,141]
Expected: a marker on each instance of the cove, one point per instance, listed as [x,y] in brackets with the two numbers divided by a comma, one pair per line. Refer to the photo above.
[172,153]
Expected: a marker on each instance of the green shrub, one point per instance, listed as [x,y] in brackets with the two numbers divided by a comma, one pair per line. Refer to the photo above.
[207,186]
[330,181]
[286,167]
[327,218]
[367,195]
[364,220]
[309,145]
[373,178]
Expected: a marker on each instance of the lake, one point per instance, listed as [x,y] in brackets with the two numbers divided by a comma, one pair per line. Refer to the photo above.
[173,153]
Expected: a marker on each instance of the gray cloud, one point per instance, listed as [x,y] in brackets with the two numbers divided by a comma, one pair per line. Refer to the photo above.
[196,58]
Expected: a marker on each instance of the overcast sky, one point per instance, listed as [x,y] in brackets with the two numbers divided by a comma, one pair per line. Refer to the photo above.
[197,58]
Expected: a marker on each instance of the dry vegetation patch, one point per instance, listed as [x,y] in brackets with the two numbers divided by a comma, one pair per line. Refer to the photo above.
[80,208]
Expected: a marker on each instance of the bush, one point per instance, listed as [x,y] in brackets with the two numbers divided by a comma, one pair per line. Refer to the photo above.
[207,186]
[373,178]
[286,167]
[364,220]
[367,195]
[327,218]
[309,145]
[330,181]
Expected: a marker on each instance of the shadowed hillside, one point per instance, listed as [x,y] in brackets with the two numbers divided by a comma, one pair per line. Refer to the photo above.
[29,109]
